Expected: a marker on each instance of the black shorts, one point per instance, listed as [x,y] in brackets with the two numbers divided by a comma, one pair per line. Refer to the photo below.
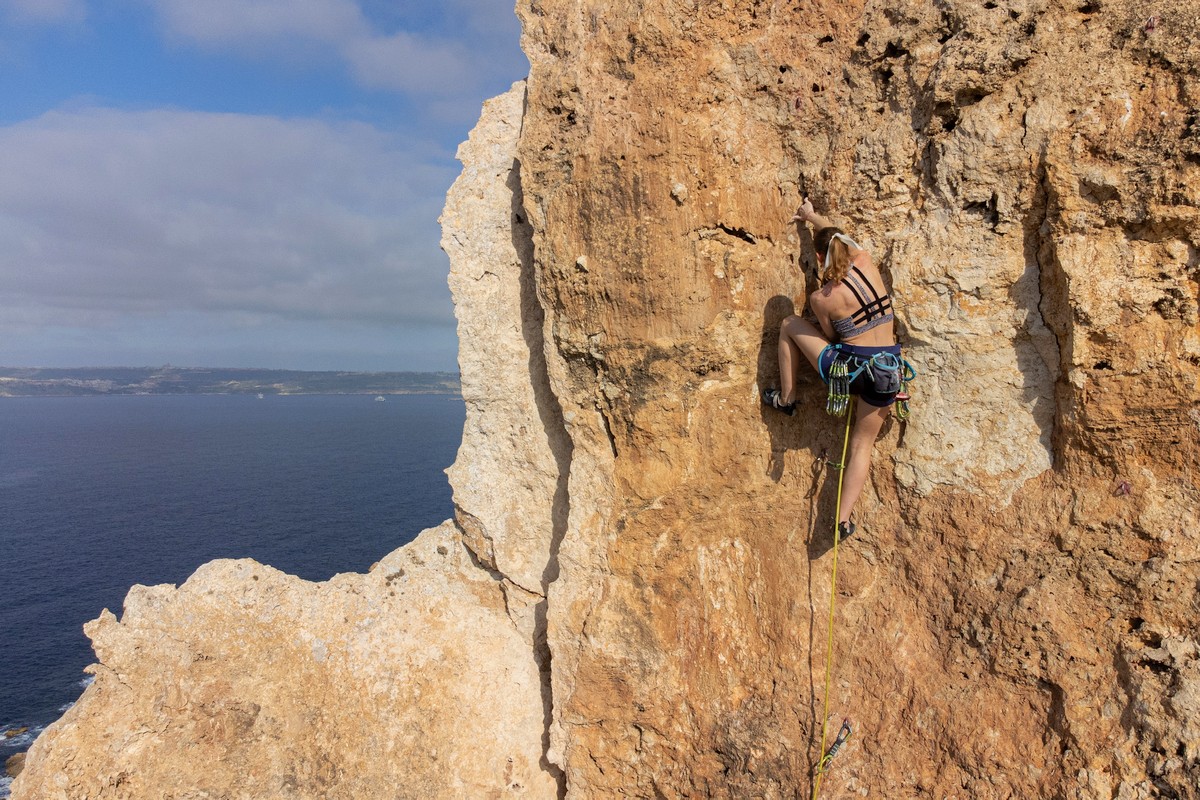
[876,386]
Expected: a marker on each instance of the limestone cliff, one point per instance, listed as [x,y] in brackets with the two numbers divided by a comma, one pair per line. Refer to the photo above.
[1019,618]
[632,598]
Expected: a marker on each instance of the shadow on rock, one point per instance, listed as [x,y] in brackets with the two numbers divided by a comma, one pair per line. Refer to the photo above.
[783,429]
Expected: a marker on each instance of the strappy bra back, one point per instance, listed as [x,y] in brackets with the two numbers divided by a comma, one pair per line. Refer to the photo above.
[871,313]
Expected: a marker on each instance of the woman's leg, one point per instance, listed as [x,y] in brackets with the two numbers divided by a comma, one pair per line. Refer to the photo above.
[868,421]
[796,336]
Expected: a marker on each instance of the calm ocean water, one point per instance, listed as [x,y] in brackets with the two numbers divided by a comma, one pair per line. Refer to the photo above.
[100,493]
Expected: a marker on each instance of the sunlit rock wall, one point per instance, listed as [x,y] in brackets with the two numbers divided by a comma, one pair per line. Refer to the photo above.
[1016,617]
[406,682]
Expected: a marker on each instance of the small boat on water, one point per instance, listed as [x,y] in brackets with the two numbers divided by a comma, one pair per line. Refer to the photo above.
[378,398]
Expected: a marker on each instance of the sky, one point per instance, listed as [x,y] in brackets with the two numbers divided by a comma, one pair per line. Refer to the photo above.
[236,183]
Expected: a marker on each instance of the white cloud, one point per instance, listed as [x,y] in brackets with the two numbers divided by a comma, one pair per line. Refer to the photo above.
[156,231]
[107,215]
[251,23]
[412,64]
[44,11]
[422,63]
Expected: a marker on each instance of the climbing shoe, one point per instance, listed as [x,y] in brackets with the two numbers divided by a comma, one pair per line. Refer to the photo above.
[846,530]
[772,398]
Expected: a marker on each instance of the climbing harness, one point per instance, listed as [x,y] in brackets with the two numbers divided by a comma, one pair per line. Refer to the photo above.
[882,368]
[887,371]
[827,756]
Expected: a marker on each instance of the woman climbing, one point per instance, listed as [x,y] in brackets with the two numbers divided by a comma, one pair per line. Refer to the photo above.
[854,311]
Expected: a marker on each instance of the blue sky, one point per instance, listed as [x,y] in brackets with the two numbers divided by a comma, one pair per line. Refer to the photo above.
[236,182]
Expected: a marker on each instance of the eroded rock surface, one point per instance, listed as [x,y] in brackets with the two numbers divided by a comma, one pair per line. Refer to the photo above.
[1028,175]
[246,682]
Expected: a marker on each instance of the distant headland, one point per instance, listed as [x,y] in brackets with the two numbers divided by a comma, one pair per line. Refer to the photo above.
[85,381]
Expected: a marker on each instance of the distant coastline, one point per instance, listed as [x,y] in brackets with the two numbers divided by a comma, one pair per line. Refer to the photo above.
[92,381]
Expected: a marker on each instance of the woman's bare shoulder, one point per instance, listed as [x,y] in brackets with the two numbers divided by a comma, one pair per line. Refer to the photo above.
[828,298]
[824,294]
[863,258]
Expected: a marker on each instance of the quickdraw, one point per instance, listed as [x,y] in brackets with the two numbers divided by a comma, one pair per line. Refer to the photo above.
[907,375]
[839,389]
[843,734]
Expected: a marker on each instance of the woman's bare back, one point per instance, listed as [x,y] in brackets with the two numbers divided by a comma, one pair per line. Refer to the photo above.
[839,302]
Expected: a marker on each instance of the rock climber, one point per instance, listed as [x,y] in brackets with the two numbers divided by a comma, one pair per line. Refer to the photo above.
[857,326]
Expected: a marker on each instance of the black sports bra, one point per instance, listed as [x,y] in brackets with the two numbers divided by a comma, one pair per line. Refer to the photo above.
[870,314]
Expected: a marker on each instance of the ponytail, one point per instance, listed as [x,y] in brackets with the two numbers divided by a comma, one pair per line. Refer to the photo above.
[836,246]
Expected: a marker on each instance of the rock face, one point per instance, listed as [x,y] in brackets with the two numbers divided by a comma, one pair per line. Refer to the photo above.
[1017,616]
[633,597]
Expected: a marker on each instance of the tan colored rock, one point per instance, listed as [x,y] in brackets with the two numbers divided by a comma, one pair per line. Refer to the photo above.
[514,425]
[1015,617]
[408,682]
[1027,175]
[14,764]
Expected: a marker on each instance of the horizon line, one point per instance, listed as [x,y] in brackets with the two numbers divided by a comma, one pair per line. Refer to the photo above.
[242,369]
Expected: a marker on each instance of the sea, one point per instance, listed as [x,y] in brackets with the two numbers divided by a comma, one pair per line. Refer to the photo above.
[100,493]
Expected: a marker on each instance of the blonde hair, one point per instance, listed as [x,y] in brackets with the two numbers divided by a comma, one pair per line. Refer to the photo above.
[836,246]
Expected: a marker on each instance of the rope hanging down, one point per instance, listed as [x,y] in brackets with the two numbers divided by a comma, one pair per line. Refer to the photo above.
[844,733]
[838,404]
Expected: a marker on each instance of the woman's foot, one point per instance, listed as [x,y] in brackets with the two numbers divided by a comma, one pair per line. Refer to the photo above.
[774,399]
[846,530]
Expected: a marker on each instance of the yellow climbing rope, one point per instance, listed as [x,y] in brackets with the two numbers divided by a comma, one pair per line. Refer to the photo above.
[844,732]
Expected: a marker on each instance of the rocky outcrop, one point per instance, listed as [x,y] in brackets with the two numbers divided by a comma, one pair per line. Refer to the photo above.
[246,682]
[639,573]
[14,764]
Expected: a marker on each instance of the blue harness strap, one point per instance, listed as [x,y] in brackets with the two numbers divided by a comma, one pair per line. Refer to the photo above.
[842,375]
[888,362]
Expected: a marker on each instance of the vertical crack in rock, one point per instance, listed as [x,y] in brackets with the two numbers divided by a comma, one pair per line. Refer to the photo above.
[606,418]
[549,410]
[1057,719]
[1053,307]
[1047,287]
[510,478]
